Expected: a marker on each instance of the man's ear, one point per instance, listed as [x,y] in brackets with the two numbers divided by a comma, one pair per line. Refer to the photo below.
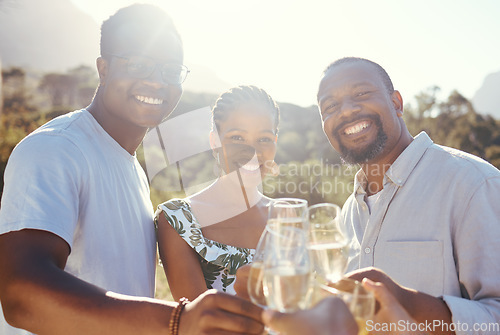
[214,140]
[397,101]
[102,70]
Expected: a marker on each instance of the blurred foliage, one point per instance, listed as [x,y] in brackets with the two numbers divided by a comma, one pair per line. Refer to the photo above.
[309,167]
[75,88]
[454,123]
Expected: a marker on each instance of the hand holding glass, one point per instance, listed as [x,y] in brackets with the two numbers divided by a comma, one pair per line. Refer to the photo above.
[361,303]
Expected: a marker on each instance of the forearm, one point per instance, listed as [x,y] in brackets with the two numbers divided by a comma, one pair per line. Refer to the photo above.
[189,292]
[38,295]
[425,308]
[180,263]
[185,279]
[58,303]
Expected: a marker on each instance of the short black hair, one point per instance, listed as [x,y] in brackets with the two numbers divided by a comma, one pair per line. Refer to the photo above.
[149,17]
[383,74]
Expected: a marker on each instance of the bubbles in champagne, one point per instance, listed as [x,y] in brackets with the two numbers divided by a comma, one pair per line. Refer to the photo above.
[255,284]
[329,259]
[287,288]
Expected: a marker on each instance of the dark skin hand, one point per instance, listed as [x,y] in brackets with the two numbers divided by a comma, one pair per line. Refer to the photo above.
[330,313]
[240,285]
[216,316]
[329,316]
[421,307]
[38,295]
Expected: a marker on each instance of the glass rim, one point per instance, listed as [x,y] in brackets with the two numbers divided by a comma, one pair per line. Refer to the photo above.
[325,204]
[361,293]
[289,202]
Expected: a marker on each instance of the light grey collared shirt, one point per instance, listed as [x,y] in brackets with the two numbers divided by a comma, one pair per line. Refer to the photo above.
[435,228]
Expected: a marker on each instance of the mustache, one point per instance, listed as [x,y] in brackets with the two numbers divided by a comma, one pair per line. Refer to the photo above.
[375,118]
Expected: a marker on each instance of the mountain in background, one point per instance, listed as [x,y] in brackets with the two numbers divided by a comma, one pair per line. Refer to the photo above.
[486,100]
[57,36]
[46,36]
[204,80]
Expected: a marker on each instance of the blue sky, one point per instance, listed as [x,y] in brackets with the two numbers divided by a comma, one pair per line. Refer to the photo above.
[283,45]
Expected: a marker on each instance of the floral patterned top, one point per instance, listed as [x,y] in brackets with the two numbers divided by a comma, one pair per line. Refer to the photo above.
[218,261]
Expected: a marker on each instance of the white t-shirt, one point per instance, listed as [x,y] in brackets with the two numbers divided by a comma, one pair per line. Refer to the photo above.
[70,177]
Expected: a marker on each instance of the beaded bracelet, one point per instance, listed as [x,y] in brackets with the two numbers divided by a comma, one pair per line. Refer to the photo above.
[175,317]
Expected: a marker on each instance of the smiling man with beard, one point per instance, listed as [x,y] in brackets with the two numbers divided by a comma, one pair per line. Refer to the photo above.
[424,214]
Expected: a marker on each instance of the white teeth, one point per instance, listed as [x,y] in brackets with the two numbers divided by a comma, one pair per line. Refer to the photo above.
[149,100]
[356,128]
[250,166]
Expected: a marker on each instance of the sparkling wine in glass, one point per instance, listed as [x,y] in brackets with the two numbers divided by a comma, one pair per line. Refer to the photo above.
[255,280]
[327,242]
[255,285]
[286,269]
[288,212]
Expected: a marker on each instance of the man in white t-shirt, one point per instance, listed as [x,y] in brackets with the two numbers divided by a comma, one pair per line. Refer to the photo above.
[77,241]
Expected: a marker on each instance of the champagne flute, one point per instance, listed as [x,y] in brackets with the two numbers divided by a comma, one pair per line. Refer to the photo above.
[361,302]
[285,214]
[254,284]
[327,242]
[286,269]
[288,212]
[282,212]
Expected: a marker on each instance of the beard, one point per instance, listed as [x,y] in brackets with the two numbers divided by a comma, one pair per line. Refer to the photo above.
[366,153]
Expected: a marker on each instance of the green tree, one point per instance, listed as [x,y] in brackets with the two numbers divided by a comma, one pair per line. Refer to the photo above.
[426,101]
[457,125]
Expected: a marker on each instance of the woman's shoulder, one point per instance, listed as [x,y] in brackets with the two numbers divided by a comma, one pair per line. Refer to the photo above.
[174,205]
[177,212]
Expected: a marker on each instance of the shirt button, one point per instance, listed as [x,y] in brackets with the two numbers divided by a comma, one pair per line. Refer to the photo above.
[367,250]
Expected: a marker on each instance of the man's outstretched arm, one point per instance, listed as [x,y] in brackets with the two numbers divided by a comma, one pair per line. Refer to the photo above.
[38,295]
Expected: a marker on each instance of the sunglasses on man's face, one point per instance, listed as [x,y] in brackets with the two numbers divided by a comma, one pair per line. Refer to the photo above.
[142,67]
